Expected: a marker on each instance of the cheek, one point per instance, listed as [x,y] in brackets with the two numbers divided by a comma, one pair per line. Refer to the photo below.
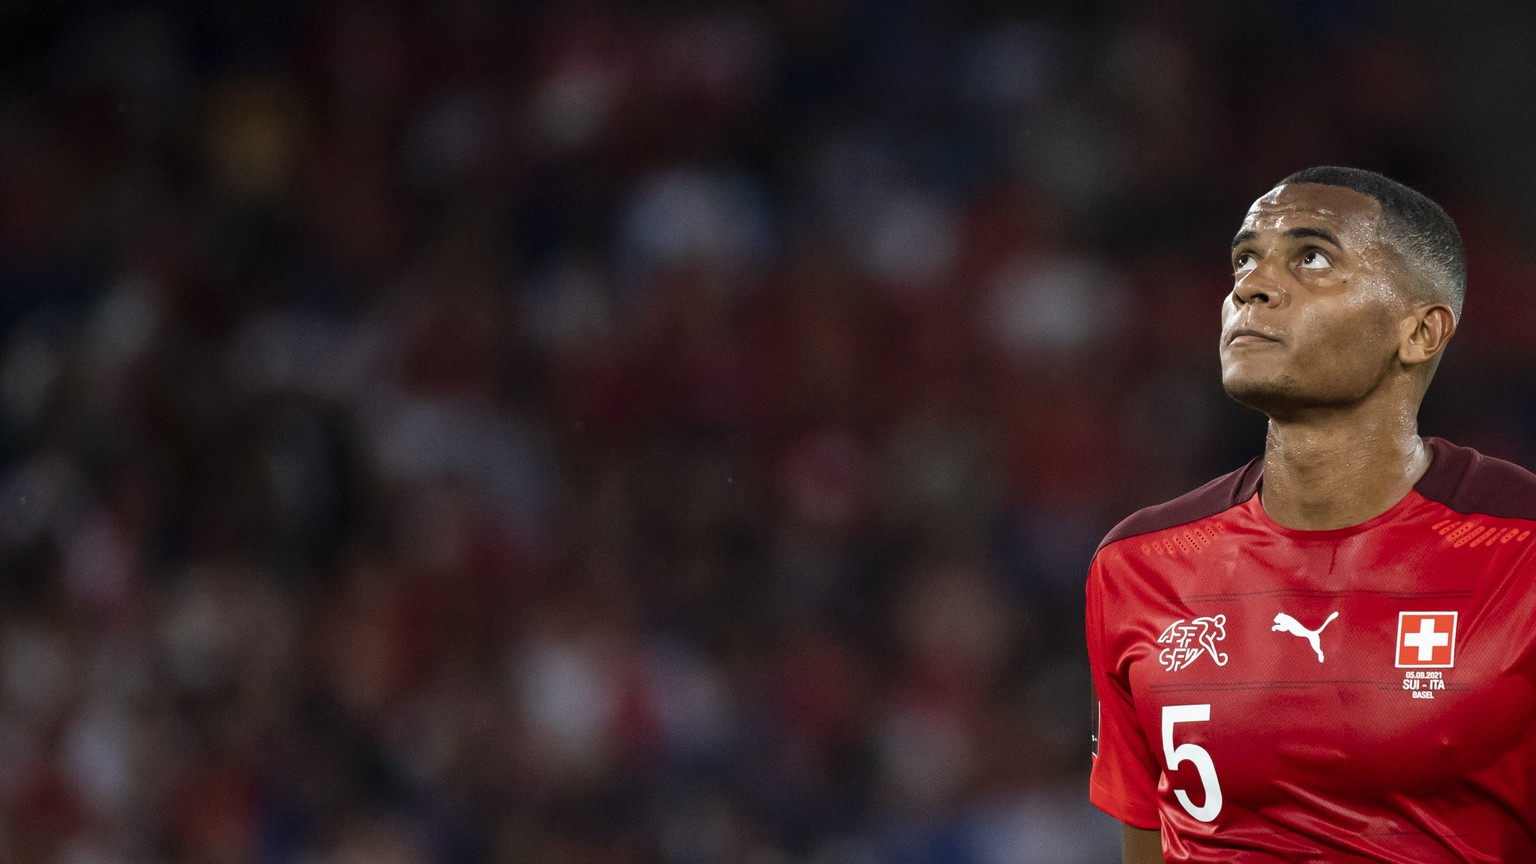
[1347,342]
[1229,311]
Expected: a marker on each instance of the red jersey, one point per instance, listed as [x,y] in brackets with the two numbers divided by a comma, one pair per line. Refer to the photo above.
[1361,694]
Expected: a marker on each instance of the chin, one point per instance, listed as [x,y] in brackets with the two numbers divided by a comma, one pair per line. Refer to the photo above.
[1285,396]
[1270,397]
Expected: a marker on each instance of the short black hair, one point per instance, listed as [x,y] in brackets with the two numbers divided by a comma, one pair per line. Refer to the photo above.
[1417,227]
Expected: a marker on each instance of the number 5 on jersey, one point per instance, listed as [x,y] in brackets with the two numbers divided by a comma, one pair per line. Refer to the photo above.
[1194,753]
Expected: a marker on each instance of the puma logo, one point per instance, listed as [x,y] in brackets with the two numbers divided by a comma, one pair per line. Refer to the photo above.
[1292,626]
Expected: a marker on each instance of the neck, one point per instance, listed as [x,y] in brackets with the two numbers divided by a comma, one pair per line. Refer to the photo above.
[1339,469]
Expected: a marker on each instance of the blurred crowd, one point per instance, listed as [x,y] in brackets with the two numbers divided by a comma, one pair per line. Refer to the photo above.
[597,433]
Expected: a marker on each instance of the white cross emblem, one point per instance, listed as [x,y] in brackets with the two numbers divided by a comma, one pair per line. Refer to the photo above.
[1426,639]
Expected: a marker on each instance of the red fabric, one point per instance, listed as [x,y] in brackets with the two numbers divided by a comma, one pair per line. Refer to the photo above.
[1333,758]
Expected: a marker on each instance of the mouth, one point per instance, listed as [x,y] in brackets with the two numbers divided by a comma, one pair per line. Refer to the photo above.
[1250,336]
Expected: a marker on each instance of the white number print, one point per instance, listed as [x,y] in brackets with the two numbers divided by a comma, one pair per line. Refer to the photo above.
[1201,757]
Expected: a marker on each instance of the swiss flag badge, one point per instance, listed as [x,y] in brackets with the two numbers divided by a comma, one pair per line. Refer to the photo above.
[1426,640]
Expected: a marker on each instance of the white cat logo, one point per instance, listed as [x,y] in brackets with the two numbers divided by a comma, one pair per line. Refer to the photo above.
[1292,626]
[1204,632]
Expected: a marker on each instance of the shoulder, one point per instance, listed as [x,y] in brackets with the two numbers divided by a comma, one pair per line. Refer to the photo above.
[1217,496]
[1469,482]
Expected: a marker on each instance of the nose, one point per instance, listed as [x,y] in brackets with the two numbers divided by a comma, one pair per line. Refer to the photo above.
[1256,287]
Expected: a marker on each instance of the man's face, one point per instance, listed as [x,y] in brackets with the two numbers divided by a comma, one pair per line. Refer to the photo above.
[1313,318]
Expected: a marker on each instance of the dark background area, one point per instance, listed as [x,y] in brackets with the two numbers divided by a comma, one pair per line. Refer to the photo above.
[666,433]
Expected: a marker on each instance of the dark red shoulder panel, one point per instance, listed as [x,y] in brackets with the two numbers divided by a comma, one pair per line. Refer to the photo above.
[1221,494]
[1469,482]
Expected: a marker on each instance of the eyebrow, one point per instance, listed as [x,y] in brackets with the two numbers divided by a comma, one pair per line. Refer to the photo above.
[1295,233]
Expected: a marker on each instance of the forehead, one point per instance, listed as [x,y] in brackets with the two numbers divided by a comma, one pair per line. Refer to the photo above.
[1344,212]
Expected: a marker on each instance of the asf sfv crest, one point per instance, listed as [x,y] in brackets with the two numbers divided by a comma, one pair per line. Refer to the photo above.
[1188,640]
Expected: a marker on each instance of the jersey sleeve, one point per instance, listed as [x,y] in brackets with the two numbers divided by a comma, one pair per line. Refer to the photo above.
[1125,772]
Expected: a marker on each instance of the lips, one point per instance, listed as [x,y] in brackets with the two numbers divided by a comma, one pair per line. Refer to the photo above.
[1251,336]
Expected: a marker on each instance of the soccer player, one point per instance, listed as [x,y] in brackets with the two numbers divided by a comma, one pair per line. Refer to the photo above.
[1328,655]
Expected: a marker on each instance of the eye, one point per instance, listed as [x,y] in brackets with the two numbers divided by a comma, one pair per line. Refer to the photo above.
[1314,259]
[1242,262]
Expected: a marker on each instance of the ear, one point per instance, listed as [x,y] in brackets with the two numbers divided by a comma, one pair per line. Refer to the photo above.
[1425,333]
